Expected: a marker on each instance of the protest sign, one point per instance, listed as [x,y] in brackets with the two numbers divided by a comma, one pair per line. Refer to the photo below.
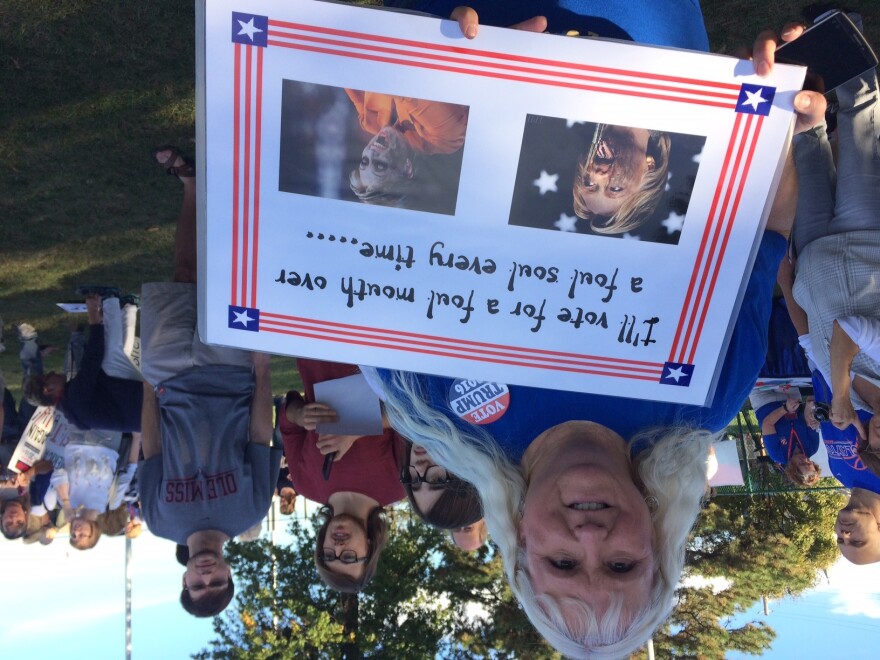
[521,208]
[47,428]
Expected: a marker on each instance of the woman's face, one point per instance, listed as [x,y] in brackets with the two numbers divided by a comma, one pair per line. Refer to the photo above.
[858,533]
[616,169]
[385,159]
[585,527]
[81,531]
[804,465]
[425,495]
[345,532]
[470,537]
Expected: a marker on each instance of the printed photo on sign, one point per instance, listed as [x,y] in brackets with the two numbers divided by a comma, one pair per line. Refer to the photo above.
[369,147]
[603,179]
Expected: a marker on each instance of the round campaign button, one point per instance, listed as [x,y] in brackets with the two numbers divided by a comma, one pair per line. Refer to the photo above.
[478,402]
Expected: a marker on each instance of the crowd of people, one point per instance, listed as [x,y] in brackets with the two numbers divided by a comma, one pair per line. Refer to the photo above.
[166,432]
[588,498]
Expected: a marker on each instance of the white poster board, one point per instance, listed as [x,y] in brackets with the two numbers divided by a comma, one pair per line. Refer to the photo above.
[462,262]
[729,472]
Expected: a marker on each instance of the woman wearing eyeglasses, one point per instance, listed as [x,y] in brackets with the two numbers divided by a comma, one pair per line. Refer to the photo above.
[436,495]
[591,498]
[786,434]
[364,478]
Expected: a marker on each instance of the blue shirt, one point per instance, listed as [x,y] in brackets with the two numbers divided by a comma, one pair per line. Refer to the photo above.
[529,411]
[841,445]
[677,23]
[791,431]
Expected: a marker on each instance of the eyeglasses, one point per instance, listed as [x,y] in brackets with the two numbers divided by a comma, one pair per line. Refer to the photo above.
[433,476]
[346,557]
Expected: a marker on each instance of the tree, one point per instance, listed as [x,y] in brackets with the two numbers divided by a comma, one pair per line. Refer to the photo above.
[766,546]
[427,598]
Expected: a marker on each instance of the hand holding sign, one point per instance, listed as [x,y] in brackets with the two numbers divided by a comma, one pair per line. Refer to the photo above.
[809,106]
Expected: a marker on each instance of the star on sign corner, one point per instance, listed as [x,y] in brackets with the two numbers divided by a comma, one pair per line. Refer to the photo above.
[675,374]
[754,99]
[673,223]
[248,28]
[546,182]
[566,222]
[242,317]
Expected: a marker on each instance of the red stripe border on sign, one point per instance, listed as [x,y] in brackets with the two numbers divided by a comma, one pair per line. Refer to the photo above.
[457,348]
[735,168]
[426,49]
[467,61]
[236,183]
[246,155]
[258,127]
[246,193]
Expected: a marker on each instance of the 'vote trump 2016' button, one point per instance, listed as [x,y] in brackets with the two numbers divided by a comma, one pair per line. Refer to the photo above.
[478,402]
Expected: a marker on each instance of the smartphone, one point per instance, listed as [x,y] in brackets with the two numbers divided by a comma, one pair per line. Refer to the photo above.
[833,50]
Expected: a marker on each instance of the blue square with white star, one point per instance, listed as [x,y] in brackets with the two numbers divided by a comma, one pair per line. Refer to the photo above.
[675,373]
[249,29]
[755,99]
[244,318]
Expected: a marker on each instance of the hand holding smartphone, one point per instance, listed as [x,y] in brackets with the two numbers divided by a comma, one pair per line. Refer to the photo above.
[833,50]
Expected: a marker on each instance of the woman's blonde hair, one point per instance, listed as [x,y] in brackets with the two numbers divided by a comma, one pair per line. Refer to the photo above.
[671,469]
[636,208]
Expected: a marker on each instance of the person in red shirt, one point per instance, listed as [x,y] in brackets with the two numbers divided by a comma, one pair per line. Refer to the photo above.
[363,481]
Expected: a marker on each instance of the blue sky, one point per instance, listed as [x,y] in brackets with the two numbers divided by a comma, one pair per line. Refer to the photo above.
[74,601]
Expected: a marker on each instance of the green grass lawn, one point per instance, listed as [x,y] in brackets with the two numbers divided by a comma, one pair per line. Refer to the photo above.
[87,89]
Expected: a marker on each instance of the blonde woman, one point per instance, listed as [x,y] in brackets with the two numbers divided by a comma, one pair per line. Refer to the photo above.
[621,178]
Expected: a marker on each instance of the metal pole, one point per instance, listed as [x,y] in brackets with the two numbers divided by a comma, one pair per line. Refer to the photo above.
[127,598]
[650,649]
[271,521]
